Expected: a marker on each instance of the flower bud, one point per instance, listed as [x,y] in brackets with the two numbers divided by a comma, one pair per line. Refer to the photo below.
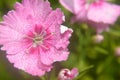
[98,38]
[66,74]
[117,51]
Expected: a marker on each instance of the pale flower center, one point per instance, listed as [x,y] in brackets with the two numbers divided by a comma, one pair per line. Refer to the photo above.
[38,39]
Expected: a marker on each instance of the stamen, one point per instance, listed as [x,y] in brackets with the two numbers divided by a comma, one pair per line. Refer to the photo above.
[48,36]
[44,47]
[42,32]
[38,39]
[27,50]
[34,33]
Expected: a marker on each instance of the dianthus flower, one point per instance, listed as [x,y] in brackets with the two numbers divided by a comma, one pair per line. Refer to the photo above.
[97,13]
[33,37]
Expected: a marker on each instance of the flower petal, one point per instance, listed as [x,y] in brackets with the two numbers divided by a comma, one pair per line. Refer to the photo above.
[68,4]
[27,62]
[38,9]
[74,6]
[103,12]
[53,22]
[74,72]
[100,27]
[59,51]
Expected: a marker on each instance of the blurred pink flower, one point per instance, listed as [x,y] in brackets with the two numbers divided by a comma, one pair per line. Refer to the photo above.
[33,36]
[117,51]
[97,13]
[98,38]
[66,74]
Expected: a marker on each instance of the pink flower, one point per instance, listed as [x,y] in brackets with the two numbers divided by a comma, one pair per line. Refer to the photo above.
[33,37]
[117,51]
[98,38]
[66,74]
[97,13]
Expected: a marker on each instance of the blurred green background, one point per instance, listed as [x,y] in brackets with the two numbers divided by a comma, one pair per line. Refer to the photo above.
[84,52]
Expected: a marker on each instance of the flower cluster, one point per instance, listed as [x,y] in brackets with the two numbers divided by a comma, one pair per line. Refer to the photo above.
[33,37]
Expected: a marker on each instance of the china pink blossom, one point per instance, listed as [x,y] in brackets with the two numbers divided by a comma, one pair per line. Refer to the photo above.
[98,13]
[33,37]
[66,74]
